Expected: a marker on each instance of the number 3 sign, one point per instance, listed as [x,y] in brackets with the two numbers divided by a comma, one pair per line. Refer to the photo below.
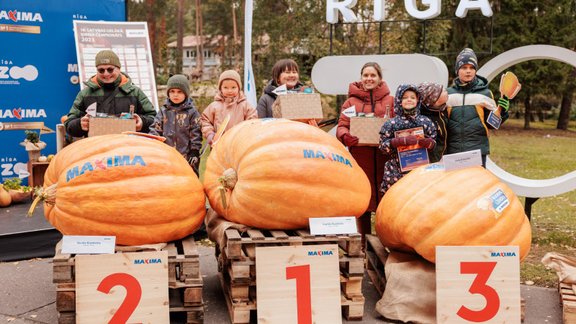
[477,284]
[122,288]
[298,284]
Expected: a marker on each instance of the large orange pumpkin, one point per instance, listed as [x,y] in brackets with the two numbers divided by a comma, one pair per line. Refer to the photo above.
[276,173]
[430,207]
[138,189]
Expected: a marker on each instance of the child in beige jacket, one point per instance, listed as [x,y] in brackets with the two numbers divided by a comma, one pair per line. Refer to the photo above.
[229,100]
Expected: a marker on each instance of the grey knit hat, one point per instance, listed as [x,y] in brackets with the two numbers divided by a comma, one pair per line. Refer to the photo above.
[467,56]
[179,81]
[107,57]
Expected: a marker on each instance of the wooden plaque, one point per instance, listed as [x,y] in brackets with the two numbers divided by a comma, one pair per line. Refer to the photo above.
[105,126]
[298,106]
[298,284]
[126,287]
[367,130]
[477,284]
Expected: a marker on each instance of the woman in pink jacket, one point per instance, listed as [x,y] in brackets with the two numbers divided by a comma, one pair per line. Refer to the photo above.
[369,95]
[229,100]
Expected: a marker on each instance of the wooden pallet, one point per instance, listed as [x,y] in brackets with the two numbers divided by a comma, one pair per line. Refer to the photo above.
[376,255]
[237,267]
[184,282]
[568,302]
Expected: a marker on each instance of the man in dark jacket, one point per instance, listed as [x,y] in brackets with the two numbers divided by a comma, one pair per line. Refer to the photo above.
[113,93]
[469,105]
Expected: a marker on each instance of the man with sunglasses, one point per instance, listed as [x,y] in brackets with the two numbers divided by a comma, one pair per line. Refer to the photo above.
[113,93]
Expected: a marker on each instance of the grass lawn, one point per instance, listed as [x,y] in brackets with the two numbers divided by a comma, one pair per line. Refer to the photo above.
[541,153]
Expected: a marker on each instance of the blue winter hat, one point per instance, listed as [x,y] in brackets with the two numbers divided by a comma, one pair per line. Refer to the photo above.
[467,56]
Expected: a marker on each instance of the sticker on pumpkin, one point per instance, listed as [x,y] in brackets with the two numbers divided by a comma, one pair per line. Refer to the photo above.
[496,202]
[499,200]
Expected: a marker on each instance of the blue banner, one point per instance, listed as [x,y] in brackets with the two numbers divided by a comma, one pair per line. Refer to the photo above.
[38,69]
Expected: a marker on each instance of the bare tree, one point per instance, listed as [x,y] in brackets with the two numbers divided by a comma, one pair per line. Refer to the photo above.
[151,19]
[566,105]
[179,35]
[235,46]
[200,41]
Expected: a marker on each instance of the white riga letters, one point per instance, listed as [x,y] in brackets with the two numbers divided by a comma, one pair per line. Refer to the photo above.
[434,9]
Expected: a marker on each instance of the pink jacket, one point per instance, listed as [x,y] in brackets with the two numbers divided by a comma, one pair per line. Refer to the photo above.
[239,110]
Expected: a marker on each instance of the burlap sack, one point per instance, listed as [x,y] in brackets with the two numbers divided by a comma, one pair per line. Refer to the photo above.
[565,267]
[410,294]
[216,227]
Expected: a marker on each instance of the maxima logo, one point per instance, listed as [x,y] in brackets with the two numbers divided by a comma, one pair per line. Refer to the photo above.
[16,16]
[22,113]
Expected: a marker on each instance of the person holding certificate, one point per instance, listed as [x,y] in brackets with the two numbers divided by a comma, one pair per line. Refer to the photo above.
[407,137]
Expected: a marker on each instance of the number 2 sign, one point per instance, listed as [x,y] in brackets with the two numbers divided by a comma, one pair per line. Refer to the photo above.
[122,288]
[298,284]
[477,284]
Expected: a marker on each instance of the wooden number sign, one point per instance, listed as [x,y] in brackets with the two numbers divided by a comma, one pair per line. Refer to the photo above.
[477,284]
[122,288]
[298,284]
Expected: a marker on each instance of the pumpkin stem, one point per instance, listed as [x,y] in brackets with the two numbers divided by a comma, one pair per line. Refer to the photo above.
[47,195]
[227,181]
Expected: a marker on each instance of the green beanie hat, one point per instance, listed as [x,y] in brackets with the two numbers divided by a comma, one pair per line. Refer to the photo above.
[107,57]
[179,81]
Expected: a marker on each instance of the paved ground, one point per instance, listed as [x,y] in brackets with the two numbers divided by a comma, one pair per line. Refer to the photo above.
[27,295]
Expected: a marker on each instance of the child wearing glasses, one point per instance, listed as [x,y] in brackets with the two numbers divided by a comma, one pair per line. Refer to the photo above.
[113,93]
[179,121]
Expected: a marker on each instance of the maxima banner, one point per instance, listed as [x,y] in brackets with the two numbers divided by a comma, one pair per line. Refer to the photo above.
[38,70]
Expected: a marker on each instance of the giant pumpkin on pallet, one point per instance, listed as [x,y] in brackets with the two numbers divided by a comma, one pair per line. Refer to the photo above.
[430,206]
[138,189]
[276,173]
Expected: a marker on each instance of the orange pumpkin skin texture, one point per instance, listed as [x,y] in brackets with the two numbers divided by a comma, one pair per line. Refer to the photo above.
[155,197]
[286,173]
[430,207]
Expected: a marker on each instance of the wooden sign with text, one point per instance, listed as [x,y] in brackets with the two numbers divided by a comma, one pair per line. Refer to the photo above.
[298,284]
[122,288]
[477,284]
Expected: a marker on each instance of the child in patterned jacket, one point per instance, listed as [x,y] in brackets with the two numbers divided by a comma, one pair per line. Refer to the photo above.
[407,108]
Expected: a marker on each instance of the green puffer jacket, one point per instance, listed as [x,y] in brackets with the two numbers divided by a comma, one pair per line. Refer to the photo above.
[128,95]
[467,127]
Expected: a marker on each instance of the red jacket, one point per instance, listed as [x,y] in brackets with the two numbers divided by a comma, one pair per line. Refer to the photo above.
[370,159]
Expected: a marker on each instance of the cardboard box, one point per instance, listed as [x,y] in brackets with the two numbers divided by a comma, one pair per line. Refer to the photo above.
[298,106]
[105,126]
[367,129]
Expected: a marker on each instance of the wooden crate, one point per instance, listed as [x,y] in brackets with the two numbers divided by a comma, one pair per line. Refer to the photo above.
[568,302]
[237,268]
[184,282]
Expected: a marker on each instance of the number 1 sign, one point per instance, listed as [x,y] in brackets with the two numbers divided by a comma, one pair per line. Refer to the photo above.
[477,284]
[298,284]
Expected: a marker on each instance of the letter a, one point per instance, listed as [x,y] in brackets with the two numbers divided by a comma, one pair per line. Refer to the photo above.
[466,5]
